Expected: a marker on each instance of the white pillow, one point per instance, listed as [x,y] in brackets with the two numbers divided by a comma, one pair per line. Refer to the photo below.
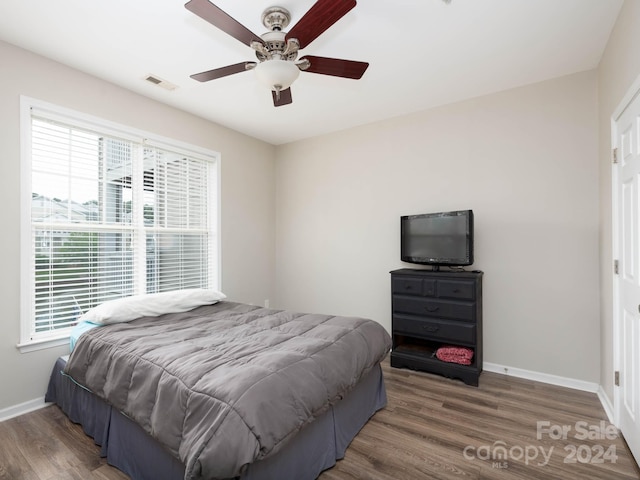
[151,305]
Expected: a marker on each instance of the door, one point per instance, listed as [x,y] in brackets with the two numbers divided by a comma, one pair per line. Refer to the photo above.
[628,237]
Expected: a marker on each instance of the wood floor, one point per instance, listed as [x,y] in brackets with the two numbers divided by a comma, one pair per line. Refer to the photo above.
[432,428]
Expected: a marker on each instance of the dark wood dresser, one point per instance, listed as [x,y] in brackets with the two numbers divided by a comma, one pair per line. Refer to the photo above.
[431,309]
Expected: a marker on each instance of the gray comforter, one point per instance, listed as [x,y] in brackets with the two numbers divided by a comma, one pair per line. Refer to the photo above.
[227,384]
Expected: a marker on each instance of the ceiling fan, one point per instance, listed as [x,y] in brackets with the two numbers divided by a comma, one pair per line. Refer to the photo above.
[277,50]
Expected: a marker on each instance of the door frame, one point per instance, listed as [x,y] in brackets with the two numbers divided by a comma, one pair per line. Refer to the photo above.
[629,96]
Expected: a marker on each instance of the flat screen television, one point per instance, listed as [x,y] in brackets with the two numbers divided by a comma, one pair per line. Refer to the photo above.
[438,239]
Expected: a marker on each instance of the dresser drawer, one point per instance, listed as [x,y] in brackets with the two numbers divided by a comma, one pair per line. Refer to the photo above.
[462,289]
[437,329]
[407,285]
[434,308]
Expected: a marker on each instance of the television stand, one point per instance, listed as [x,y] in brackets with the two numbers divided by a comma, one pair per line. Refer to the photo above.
[431,309]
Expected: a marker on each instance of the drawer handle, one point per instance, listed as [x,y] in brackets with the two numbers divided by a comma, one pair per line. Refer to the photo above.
[431,308]
[407,287]
[431,328]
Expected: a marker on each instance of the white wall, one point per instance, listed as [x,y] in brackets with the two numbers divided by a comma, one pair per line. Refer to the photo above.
[619,68]
[525,160]
[248,234]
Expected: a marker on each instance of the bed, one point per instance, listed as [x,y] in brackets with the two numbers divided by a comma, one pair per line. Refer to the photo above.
[225,390]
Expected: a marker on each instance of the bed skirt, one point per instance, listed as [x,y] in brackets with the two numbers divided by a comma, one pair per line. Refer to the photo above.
[129,448]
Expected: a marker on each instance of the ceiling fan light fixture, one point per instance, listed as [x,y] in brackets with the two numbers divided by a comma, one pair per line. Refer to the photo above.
[277,74]
[277,50]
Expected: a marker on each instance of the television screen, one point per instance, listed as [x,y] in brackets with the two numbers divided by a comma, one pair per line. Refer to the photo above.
[444,238]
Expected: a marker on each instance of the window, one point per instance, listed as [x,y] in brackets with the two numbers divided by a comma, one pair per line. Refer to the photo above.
[108,212]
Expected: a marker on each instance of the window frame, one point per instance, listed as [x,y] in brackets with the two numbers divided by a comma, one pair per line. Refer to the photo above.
[28,341]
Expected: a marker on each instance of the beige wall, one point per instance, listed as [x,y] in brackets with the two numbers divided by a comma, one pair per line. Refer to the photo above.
[248,216]
[618,70]
[525,160]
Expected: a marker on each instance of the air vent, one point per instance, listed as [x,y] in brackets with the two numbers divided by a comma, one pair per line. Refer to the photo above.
[160,82]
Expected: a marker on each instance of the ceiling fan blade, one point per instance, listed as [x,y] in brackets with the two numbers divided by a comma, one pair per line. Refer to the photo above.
[218,18]
[319,18]
[335,67]
[285,97]
[223,71]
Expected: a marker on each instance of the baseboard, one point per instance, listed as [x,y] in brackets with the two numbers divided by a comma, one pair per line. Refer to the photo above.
[591,387]
[607,405]
[542,377]
[22,408]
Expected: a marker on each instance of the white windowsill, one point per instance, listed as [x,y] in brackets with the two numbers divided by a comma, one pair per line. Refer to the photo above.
[41,344]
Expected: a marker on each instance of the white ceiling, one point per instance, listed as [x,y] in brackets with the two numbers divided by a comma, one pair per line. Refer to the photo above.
[422,53]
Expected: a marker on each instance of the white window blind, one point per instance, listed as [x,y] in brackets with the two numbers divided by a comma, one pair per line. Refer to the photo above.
[112,215]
